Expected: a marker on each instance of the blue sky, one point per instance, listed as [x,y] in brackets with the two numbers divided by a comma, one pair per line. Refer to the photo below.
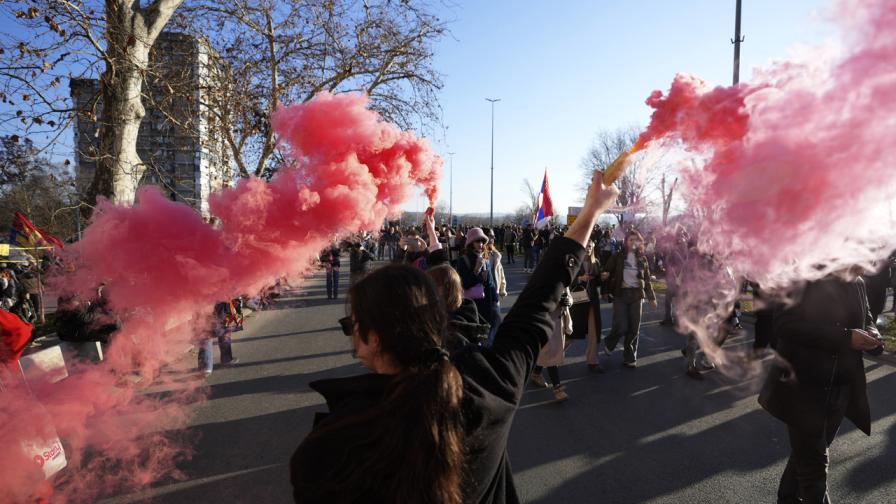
[564,70]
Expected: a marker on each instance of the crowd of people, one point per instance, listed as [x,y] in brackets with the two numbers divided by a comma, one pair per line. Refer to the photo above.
[448,374]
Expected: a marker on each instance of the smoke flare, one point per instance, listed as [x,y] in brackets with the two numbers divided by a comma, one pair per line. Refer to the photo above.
[792,174]
[164,268]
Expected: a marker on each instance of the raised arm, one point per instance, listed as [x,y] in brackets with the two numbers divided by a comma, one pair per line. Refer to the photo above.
[528,325]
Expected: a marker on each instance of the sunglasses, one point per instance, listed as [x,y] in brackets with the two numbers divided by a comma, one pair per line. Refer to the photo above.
[347,324]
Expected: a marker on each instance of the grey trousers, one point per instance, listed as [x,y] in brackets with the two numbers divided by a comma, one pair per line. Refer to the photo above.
[626,323]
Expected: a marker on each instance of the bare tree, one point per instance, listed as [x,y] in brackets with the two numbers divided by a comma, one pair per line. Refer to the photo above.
[62,39]
[289,50]
[31,184]
[531,193]
[667,197]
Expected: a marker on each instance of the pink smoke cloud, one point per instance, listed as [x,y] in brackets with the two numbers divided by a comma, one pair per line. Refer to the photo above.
[793,171]
[164,268]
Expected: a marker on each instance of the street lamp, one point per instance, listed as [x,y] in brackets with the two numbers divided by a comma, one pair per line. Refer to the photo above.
[737,41]
[451,189]
[491,208]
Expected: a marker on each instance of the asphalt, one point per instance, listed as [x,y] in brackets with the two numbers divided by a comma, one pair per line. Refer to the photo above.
[649,435]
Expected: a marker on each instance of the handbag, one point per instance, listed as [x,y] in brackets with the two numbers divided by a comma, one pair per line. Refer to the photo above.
[579,296]
[475,292]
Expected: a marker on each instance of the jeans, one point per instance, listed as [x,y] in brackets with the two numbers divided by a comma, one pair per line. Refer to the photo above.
[495,323]
[206,362]
[667,304]
[805,477]
[626,323]
[528,258]
[332,283]
[510,248]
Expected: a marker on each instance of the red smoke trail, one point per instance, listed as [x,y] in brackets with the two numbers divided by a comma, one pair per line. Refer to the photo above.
[164,268]
[794,170]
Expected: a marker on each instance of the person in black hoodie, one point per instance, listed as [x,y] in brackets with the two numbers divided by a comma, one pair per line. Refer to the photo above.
[821,340]
[465,324]
[427,426]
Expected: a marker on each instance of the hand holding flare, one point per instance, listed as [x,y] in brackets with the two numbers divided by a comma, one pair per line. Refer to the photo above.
[615,169]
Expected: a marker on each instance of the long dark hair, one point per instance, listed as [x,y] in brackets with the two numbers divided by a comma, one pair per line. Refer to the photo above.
[639,250]
[414,452]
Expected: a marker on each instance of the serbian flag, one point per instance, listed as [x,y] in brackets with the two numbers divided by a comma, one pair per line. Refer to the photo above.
[545,209]
[27,234]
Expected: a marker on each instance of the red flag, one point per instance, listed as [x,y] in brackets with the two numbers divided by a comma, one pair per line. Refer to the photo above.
[14,336]
[25,231]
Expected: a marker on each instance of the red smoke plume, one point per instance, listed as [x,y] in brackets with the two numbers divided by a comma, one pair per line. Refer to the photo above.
[164,268]
[793,172]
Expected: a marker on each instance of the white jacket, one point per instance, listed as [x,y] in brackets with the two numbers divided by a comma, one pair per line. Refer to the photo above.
[501,280]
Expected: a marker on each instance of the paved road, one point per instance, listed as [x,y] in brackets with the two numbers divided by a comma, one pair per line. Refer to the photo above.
[648,435]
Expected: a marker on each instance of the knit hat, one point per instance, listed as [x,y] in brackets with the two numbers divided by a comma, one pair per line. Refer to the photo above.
[476,234]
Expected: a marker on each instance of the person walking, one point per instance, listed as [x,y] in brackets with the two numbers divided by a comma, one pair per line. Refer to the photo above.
[331,262]
[821,339]
[527,242]
[223,317]
[359,263]
[553,353]
[477,276]
[510,239]
[426,426]
[494,259]
[589,280]
[627,276]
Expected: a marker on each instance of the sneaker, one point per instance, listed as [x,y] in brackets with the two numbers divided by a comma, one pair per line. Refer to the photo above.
[630,365]
[538,380]
[707,366]
[560,394]
[606,350]
[230,363]
[692,372]
[595,368]
[206,373]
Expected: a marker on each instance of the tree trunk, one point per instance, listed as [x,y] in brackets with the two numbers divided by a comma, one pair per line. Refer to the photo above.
[130,33]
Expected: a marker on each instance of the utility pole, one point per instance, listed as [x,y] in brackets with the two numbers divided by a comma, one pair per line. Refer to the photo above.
[491,211]
[451,189]
[737,41]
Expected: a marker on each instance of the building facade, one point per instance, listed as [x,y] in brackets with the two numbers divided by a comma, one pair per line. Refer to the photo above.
[179,141]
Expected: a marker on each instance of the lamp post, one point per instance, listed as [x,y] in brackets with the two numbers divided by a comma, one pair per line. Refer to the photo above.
[491,207]
[451,188]
[736,41]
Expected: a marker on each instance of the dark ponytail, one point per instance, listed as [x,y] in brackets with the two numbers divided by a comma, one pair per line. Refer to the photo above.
[415,448]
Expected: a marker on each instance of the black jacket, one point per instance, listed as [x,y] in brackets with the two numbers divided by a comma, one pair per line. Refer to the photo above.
[812,338]
[359,260]
[494,379]
[465,326]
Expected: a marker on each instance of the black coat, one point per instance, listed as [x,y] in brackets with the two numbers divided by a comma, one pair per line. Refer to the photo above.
[465,326]
[494,379]
[812,338]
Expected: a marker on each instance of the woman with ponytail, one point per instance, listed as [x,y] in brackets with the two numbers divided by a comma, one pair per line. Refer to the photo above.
[426,426]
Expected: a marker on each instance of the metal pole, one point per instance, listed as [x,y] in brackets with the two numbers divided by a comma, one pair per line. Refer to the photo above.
[491,208]
[736,41]
[451,189]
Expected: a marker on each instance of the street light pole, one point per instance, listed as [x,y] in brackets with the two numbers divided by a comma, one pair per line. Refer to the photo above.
[491,210]
[451,189]
[736,41]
